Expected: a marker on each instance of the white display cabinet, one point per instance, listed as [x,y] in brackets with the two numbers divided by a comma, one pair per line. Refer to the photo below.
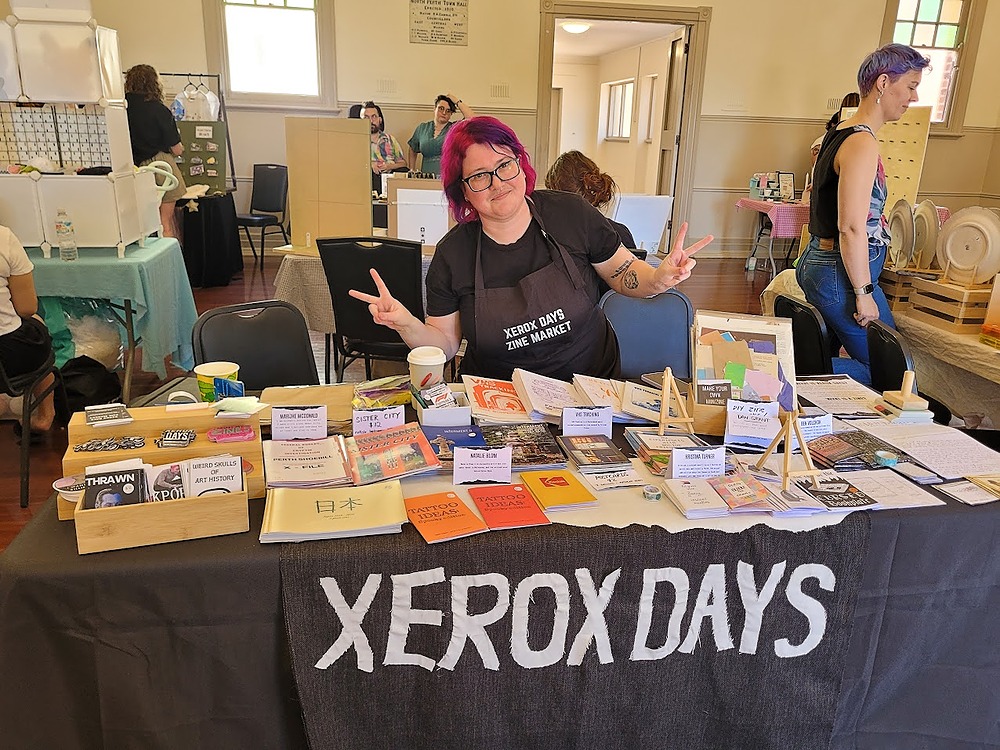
[104,209]
[10,79]
[52,10]
[68,62]
[19,207]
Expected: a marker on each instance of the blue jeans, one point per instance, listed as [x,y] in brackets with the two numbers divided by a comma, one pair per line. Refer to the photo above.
[823,278]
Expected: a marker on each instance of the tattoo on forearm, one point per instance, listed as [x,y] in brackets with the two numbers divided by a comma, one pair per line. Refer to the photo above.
[631,280]
[622,268]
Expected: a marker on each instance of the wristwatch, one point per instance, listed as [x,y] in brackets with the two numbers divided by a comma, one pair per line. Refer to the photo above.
[866,289]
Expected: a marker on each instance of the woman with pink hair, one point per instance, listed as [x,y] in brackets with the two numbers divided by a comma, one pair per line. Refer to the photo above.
[518,277]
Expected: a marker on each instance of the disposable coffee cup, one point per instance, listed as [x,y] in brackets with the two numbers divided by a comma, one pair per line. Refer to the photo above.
[426,366]
[209,371]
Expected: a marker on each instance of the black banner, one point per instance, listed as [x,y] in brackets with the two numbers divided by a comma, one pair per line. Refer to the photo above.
[563,637]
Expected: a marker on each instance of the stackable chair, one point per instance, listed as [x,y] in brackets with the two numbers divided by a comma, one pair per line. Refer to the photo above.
[270,196]
[813,349]
[653,333]
[347,262]
[268,340]
[888,358]
[24,386]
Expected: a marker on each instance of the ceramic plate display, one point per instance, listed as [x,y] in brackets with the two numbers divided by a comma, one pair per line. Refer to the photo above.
[925,234]
[901,232]
[969,246]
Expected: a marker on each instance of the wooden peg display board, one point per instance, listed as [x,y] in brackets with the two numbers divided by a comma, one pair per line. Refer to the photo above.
[149,423]
[902,145]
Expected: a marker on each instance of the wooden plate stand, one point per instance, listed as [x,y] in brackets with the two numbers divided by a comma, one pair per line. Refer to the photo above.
[949,305]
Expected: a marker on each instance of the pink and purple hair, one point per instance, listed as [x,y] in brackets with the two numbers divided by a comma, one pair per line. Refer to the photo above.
[894,60]
[483,130]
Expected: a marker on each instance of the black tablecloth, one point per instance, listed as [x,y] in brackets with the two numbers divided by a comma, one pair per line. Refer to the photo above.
[184,646]
[212,251]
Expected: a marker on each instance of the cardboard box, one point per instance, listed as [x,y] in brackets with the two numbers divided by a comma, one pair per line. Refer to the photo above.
[451,416]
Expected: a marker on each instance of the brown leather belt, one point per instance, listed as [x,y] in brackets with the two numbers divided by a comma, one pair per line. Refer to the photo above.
[825,244]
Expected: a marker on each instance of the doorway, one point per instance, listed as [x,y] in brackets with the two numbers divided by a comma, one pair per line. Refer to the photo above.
[650,149]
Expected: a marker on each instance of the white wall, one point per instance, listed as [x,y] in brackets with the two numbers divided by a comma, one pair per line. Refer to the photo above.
[580,100]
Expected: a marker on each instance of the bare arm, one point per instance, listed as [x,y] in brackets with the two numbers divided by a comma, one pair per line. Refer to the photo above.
[177,149]
[411,159]
[857,163]
[22,295]
[464,108]
[443,332]
[632,277]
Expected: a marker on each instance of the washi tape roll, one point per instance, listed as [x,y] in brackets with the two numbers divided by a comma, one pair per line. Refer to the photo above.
[886,458]
[652,493]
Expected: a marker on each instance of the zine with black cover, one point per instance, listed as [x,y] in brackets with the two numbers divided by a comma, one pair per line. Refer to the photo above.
[112,488]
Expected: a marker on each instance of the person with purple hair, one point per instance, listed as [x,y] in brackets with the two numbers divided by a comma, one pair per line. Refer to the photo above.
[839,269]
[518,277]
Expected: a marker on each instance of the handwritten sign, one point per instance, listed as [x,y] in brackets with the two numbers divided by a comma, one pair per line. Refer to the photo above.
[751,423]
[373,420]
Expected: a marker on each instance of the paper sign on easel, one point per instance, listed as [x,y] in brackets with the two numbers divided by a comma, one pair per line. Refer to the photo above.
[751,423]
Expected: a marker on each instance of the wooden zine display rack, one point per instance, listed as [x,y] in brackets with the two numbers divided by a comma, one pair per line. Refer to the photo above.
[102,529]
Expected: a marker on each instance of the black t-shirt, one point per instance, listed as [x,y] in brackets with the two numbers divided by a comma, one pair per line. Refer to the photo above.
[581,230]
[151,127]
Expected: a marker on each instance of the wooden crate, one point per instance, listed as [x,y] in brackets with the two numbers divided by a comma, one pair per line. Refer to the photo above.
[103,529]
[950,306]
[150,422]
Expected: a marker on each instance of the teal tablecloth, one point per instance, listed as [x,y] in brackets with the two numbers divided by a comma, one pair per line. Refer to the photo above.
[153,277]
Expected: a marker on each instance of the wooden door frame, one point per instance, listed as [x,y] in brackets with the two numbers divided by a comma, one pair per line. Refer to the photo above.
[696,20]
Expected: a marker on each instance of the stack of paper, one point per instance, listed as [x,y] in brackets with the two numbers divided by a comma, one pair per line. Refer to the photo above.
[544,398]
[508,506]
[695,498]
[558,490]
[296,515]
[444,440]
[390,454]
[944,450]
[442,516]
[494,401]
[743,494]
[532,444]
[605,392]
[593,453]
[654,450]
[306,463]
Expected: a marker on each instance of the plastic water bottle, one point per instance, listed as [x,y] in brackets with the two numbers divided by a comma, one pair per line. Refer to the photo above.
[65,236]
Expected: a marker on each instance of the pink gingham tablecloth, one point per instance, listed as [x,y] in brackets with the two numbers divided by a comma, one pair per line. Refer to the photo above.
[787,219]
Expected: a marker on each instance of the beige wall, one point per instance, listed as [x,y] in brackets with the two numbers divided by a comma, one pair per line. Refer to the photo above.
[581,88]
[771,67]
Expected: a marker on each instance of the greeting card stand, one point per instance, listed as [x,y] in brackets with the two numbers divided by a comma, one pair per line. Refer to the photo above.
[790,427]
[668,393]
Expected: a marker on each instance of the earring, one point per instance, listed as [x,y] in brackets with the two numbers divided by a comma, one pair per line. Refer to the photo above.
[878,99]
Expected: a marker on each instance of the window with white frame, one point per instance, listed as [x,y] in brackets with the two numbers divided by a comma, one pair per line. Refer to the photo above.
[619,124]
[271,47]
[944,31]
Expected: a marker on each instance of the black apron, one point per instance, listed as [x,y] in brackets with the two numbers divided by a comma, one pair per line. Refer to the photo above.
[547,323]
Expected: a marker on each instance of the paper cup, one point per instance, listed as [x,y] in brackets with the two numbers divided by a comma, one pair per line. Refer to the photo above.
[426,366]
[208,372]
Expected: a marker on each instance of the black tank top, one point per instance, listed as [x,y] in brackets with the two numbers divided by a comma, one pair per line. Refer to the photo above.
[823,219]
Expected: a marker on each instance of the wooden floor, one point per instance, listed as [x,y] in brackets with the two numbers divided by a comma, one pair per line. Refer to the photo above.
[715,285]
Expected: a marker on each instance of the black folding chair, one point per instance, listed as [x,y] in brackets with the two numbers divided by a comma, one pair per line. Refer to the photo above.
[270,195]
[888,358]
[347,262]
[813,349]
[653,333]
[268,340]
[24,386]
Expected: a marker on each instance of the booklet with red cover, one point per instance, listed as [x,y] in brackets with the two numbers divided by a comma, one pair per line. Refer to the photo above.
[508,506]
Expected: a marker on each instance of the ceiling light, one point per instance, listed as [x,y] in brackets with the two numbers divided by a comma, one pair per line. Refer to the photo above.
[575,27]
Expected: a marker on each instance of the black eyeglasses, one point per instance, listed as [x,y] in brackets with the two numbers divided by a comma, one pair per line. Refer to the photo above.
[506,171]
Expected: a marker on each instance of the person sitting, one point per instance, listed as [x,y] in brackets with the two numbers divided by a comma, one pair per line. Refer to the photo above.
[386,153]
[25,343]
[428,137]
[574,172]
[518,276]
